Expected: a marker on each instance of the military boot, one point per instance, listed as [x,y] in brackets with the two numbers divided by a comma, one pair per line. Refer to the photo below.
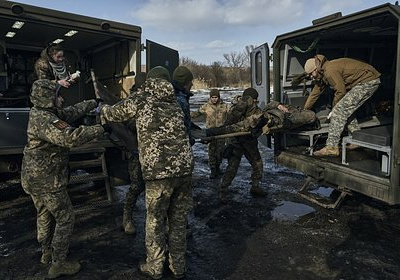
[351,147]
[46,255]
[256,190]
[328,151]
[146,270]
[60,268]
[223,194]
[213,173]
[127,223]
[219,171]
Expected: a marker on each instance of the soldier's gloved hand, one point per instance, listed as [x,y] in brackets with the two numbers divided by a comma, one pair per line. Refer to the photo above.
[107,128]
[255,132]
[99,105]
[98,101]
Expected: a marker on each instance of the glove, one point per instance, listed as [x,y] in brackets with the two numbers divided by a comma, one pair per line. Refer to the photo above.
[100,104]
[255,132]
[98,101]
[107,128]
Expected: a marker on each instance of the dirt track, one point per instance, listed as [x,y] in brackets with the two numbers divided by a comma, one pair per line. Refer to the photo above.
[277,237]
[280,236]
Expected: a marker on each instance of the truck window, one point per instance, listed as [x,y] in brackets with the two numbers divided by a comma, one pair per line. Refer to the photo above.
[258,68]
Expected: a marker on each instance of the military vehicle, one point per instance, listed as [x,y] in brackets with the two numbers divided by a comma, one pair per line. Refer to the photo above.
[112,49]
[372,36]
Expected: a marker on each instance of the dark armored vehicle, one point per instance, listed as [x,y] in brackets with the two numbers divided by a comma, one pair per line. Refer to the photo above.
[111,48]
[372,36]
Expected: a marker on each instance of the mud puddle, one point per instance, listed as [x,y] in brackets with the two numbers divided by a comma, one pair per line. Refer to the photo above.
[290,211]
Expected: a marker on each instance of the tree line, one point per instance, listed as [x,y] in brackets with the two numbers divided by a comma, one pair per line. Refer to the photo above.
[232,71]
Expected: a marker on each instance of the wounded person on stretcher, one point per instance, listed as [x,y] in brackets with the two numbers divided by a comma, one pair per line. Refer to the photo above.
[275,117]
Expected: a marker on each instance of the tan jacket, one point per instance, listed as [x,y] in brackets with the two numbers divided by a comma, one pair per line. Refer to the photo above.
[215,113]
[341,74]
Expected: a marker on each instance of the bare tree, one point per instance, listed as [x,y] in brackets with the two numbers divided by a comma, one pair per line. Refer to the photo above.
[234,59]
[217,71]
[247,52]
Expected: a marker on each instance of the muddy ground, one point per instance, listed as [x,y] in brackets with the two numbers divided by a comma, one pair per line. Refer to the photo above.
[281,236]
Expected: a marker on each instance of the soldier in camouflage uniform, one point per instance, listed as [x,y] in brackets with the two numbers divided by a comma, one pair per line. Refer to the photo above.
[353,82]
[275,117]
[44,174]
[243,145]
[52,65]
[166,158]
[215,111]
[137,185]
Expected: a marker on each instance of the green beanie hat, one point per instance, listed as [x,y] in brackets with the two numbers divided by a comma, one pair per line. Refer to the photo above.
[250,92]
[214,92]
[182,75]
[159,72]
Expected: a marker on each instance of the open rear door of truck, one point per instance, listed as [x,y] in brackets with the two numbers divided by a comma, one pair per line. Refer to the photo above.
[159,55]
[260,80]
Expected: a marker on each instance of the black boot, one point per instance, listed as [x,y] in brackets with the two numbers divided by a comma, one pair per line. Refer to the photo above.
[219,171]
[213,173]
[223,194]
[256,190]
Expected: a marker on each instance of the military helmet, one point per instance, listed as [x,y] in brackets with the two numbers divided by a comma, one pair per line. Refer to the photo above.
[43,93]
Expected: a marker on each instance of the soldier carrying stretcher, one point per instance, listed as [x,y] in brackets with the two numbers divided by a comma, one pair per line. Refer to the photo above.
[275,117]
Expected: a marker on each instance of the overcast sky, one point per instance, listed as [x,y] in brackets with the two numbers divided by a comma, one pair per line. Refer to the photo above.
[203,30]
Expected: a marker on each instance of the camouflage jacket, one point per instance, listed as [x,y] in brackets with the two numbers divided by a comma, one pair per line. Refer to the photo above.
[215,113]
[239,112]
[164,149]
[46,155]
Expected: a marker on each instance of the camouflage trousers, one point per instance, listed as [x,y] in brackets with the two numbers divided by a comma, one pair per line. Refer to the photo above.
[214,152]
[250,150]
[137,185]
[55,206]
[169,200]
[346,107]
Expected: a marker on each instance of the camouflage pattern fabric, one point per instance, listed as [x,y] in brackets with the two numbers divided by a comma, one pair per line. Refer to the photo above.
[137,185]
[44,172]
[215,117]
[164,149]
[273,118]
[215,113]
[242,109]
[46,155]
[345,108]
[215,148]
[243,145]
[167,200]
[166,158]
[250,150]
[57,205]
